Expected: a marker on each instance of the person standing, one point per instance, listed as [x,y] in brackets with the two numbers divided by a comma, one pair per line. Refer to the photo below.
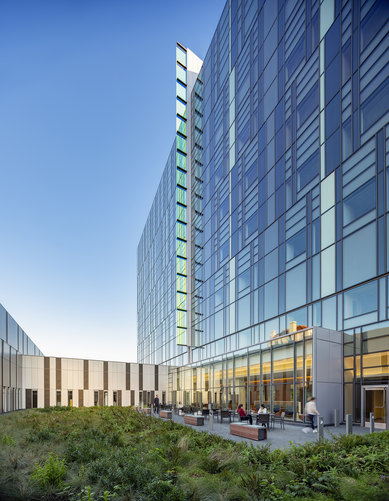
[311,412]
[156,404]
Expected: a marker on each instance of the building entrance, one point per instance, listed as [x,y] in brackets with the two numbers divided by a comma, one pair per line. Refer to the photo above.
[375,399]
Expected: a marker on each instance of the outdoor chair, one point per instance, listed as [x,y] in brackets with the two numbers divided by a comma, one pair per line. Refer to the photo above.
[224,414]
[280,419]
[263,419]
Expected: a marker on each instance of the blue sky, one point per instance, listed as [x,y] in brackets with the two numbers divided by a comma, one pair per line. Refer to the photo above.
[87,100]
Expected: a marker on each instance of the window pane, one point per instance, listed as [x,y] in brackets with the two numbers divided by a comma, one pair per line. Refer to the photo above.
[296,287]
[360,300]
[295,245]
[359,256]
[360,202]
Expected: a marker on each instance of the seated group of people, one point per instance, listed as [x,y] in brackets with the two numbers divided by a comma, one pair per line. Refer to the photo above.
[248,417]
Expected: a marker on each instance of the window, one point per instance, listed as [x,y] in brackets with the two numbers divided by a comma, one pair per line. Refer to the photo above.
[251,176]
[360,202]
[373,22]
[372,108]
[295,57]
[105,397]
[115,398]
[308,105]
[360,300]
[251,225]
[70,398]
[308,171]
[58,398]
[296,245]
[359,256]
[95,398]
[296,287]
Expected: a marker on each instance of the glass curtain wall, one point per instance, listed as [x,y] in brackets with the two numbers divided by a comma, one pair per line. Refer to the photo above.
[278,374]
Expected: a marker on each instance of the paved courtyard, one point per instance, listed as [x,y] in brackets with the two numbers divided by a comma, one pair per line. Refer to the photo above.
[277,438]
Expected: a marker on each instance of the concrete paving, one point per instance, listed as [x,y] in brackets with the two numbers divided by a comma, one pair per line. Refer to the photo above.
[277,438]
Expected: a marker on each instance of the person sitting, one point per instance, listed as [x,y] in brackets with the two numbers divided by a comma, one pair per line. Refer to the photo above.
[262,410]
[243,415]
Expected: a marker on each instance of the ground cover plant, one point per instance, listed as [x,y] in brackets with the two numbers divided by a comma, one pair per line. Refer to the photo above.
[106,453]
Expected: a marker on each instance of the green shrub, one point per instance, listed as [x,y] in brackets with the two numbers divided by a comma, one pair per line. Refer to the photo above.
[51,473]
[7,439]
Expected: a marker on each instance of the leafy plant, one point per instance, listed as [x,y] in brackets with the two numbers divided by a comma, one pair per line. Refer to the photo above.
[51,473]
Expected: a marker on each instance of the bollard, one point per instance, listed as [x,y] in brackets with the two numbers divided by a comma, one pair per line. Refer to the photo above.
[336,417]
[349,424]
[371,422]
[210,420]
[320,428]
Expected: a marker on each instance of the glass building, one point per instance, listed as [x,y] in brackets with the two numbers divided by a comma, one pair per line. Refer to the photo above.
[14,343]
[272,213]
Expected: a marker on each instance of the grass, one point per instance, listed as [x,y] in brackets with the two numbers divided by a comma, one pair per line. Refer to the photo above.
[106,453]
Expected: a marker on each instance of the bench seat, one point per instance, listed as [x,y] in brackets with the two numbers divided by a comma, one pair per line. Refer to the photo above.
[194,420]
[165,414]
[252,432]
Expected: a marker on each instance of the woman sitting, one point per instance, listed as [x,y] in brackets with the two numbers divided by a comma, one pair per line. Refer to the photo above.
[243,415]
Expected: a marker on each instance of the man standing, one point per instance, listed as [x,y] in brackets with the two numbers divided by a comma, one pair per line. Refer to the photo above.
[156,404]
[311,412]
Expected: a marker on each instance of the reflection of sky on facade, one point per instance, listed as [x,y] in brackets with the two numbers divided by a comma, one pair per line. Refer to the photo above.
[80,83]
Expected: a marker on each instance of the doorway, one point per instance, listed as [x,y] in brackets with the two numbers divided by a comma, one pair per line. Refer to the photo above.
[375,399]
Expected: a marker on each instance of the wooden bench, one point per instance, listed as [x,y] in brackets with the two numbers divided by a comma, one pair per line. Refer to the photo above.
[194,420]
[165,414]
[147,410]
[252,432]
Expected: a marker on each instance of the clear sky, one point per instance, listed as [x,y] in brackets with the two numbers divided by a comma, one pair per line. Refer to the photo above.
[87,117]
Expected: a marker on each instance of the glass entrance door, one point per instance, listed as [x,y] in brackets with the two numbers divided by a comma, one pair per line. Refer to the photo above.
[375,400]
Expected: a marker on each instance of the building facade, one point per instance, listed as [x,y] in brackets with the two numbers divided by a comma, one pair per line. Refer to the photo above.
[28,379]
[14,344]
[286,171]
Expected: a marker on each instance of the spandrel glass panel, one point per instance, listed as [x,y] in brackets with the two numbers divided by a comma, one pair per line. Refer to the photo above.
[181,248]
[360,300]
[180,108]
[181,230]
[181,213]
[180,127]
[181,283]
[181,178]
[181,56]
[296,287]
[181,143]
[181,301]
[359,256]
[181,91]
[181,265]
[181,195]
[181,73]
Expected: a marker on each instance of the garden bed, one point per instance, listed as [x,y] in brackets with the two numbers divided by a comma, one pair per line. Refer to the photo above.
[116,453]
